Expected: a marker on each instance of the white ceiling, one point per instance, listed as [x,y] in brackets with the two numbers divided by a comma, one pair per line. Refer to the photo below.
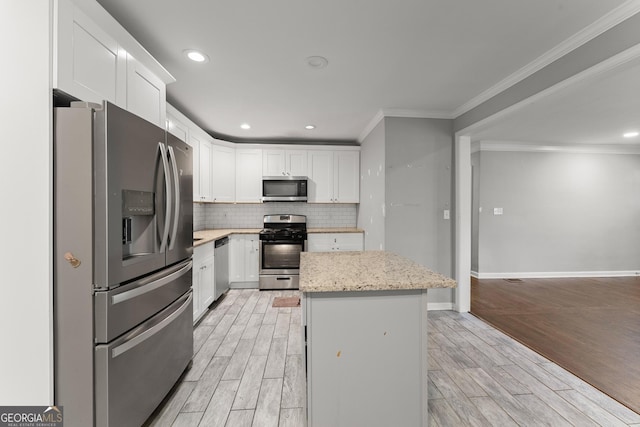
[405,57]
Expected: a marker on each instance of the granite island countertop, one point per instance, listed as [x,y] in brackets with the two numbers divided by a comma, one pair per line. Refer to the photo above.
[365,271]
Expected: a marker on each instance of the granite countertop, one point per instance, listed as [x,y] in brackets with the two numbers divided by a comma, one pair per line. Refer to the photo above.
[207,236]
[365,271]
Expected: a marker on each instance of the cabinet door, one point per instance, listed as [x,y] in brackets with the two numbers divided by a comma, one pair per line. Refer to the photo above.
[223,174]
[346,177]
[251,258]
[205,178]
[236,258]
[320,242]
[177,128]
[88,63]
[320,176]
[296,162]
[249,175]
[146,93]
[195,146]
[349,242]
[207,283]
[197,279]
[273,162]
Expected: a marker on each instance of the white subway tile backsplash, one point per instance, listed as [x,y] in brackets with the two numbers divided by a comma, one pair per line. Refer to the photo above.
[208,216]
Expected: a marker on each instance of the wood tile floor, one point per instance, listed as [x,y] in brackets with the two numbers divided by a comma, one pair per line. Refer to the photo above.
[248,370]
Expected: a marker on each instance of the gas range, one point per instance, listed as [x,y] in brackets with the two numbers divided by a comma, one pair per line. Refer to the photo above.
[282,240]
[284,227]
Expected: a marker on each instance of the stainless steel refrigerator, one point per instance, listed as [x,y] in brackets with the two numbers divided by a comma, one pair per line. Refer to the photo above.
[123,242]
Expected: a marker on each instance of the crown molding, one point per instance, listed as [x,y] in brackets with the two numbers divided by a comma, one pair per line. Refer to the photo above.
[606,22]
[547,147]
[399,112]
[370,126]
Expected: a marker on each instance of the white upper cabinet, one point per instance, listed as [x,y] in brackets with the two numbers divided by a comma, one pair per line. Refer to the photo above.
[88,63]
[93,65]
[334,176]
[273,162]
[276,162]
[146,93]
[249,163]
[205,176]
[177,128]
[320,185]
[346,176]
[296,162]
[223,172]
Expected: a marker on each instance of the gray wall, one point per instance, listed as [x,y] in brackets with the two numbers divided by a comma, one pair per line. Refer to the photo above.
[372,194]
[416,156]
[563,213]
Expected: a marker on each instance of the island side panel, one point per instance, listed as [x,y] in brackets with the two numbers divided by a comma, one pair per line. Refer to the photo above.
[367,358]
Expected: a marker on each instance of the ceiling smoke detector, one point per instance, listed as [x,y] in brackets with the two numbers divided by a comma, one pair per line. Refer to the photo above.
[317,62]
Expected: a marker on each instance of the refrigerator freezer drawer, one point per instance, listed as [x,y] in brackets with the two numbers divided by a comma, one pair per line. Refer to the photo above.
[120,309]
[134,373]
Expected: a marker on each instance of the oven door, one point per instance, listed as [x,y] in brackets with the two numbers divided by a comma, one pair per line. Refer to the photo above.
[280,256]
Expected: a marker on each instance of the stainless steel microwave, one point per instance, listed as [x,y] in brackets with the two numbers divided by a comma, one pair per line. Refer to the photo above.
[284,188]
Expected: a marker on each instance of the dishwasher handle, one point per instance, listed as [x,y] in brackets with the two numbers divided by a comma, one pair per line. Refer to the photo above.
[221,242]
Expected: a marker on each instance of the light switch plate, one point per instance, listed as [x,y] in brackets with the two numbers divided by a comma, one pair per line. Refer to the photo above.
[497,211]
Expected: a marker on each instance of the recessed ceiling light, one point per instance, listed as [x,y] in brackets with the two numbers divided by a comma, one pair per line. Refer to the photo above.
[309,127]
[245,126]
[196,56]
[317,62]
[630,134]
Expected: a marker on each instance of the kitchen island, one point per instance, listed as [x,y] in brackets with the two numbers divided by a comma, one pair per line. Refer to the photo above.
[365,324]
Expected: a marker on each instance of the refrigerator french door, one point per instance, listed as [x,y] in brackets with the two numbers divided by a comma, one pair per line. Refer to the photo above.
[123,222]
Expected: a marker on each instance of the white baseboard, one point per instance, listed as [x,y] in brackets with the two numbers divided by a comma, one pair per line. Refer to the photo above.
[555,274]
[439,306]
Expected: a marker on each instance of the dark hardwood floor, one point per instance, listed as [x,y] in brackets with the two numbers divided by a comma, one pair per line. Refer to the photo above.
[589,326]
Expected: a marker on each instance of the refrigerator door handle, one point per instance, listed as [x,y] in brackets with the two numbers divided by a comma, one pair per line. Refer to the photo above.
[176,186]
[167,193]
[150,328]
[148,286]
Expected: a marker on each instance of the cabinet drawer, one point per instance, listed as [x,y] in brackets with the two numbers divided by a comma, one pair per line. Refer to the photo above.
[203,252]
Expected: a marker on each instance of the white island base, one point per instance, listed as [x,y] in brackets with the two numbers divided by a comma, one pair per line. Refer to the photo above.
[366,358]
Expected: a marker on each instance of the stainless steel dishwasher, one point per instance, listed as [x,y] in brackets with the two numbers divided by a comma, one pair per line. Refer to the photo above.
[221,266]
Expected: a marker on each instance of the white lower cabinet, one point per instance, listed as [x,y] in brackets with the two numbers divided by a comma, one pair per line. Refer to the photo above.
[243,258]
[327,242]
[203,279]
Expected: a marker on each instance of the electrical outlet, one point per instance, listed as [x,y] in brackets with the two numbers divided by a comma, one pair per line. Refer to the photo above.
[446,214]
[498,211]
